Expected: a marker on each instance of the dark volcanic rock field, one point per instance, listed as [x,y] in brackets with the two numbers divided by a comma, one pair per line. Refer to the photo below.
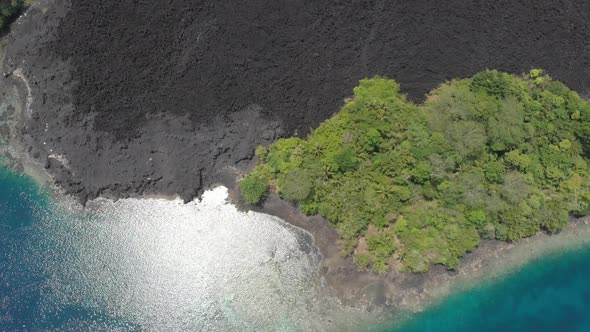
[142,97]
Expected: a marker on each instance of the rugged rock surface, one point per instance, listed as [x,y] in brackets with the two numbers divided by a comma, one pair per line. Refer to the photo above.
[142,97]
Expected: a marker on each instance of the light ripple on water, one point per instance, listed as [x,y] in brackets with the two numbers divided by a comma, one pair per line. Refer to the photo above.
[164,265]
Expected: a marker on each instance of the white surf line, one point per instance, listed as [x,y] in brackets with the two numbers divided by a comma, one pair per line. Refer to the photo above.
[19,73]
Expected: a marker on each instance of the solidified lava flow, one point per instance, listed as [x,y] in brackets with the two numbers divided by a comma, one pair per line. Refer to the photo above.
[299,59]
[157,97]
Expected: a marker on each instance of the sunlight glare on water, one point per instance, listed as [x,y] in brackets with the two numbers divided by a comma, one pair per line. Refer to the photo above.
[163,265]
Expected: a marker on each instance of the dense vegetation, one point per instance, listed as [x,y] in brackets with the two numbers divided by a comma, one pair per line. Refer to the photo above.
[10,9]
[491,156]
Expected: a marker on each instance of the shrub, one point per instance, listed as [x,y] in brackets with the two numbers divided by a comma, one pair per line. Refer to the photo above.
[363,261]
[253,188]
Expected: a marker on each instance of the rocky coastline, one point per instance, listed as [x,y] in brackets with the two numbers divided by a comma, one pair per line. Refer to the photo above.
[129,99]
[98,130]
[397,293]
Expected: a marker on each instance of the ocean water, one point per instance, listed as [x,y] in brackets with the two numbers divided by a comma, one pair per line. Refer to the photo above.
[157,265]
[548,294]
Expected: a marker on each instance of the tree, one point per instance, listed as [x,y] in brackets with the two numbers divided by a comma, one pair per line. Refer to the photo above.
[506,127]
[491,82]
[373,140]
[346,160]
[421,173]
[296,185]
[492,156]
[468,139]
[553,216]
[494,171]
[518,160]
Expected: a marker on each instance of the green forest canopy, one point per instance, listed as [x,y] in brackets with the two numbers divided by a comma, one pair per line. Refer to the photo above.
[9,9]
[494,156]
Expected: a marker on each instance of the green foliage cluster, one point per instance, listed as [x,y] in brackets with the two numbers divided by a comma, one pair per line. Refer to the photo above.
[492,156]
[253,188]
[9,9]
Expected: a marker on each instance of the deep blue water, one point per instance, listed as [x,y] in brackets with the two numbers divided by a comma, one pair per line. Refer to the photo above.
[26,256]
[549,294]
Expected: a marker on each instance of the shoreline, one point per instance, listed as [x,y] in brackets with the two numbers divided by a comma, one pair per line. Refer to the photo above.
[399,294]
[393,295]
[396,295]
[179,114]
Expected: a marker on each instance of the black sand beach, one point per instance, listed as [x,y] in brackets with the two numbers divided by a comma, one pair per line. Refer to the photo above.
[396,293]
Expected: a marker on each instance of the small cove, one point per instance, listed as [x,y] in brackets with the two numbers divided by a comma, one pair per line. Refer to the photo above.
[154,264]
[150,264]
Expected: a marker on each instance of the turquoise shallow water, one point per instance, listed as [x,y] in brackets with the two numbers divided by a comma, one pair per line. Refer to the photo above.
[548,294]
[24,254]
[47,285]
[155,265]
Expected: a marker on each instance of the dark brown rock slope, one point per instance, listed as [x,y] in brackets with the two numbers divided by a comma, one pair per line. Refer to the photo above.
[134,96]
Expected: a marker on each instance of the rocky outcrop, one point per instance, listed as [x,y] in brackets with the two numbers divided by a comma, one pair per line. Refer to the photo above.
[150,97]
